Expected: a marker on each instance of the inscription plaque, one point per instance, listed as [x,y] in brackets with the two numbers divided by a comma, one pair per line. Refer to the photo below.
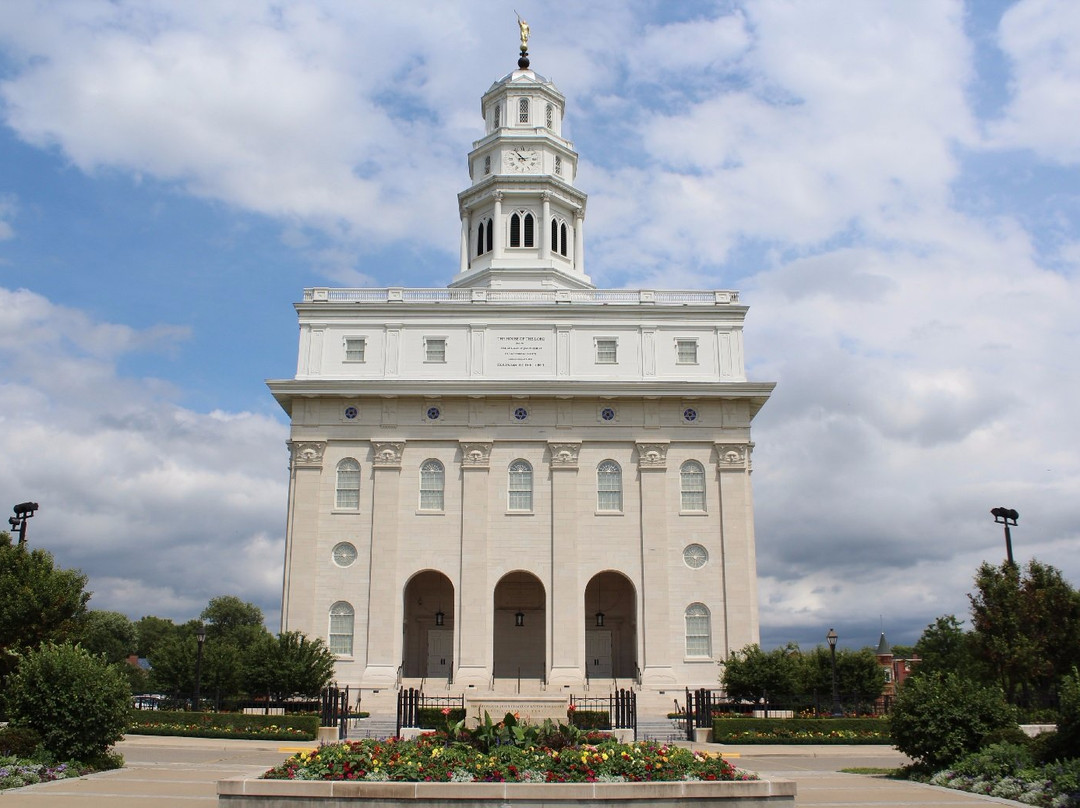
[523,353]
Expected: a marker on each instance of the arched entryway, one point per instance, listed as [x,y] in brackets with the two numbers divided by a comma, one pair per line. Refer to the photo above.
[428,647]
[610,627]
[520,640]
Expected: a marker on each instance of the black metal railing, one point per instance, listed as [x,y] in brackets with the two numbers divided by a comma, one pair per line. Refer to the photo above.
[334,711]
[620,706]
[411,701]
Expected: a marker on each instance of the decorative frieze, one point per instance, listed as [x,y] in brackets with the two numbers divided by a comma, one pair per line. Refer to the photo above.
[733,456]
[307,454]
[387,454]
[564,455]
[475,455]
[652,455]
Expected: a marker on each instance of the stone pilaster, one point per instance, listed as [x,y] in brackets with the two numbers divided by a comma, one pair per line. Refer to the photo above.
[566,626]
[740,619]
[384,600]
[656,577]
[301,533]
[475,615]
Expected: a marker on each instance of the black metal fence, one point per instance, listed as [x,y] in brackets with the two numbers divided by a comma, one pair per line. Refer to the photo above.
[620,705]
[411,701]
[334,710]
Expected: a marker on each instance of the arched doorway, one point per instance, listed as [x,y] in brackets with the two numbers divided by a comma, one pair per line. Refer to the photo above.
[610,627]
[520,630]
[428,646]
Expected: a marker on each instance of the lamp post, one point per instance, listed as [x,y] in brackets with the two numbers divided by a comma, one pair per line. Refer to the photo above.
[831,637]
[200,635]
[23,511]
[1006,516]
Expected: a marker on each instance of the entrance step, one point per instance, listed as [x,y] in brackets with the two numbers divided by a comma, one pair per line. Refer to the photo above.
[663,731]
[376,726]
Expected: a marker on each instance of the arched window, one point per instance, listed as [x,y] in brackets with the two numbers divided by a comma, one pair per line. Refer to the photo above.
[498,115]
[341,628]
[554,236]
[692,482]
[487,164]
[515,230]
[432,481]
[480,239]
[348,484]
[549,116]
[562,239]
[523,110]
[558,164]
[698,631]
[520,486]
[609,486]
[529,226]
[488,228]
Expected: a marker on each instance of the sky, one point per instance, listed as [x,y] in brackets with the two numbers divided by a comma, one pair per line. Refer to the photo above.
[894,188]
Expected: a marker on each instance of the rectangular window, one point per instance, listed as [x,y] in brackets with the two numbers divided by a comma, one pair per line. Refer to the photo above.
[558,164]
[607,351]
[686,351]
[354,349]
[341,633]
[435,349]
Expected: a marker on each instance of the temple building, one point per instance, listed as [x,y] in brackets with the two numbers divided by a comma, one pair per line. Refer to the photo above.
[521,477]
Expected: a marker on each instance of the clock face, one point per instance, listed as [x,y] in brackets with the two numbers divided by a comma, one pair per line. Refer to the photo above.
[522,160]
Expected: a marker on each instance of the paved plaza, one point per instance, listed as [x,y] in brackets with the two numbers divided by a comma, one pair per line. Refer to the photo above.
[182,773]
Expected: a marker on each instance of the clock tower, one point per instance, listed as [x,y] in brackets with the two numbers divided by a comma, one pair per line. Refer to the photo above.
[522,219]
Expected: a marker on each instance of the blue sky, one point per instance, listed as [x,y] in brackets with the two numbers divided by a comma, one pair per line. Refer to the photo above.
[894,188]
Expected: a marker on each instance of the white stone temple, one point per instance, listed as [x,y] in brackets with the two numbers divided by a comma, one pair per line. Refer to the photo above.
[521,477]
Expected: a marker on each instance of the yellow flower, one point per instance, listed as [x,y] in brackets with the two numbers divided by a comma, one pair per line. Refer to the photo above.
[604,756]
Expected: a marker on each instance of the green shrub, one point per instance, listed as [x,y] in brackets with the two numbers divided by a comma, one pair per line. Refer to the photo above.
[940,718]
[591,719]
[801,730]
[20,742]
[433,718]
[222,725]
[995,761]
[77,702]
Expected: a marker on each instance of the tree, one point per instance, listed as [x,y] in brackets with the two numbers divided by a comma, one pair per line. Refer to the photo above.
[945,647]
[1026,626]
[290,665]
[151,630]
[859,676]
[76,702]
[110,634]
[37,602]
[229,618]
[940,717]
[753,674]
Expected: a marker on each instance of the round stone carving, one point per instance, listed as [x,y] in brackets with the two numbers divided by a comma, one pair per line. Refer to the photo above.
[434,413]
[608,414]
[344,554]
[695,556]
[521,413]
[351,412]
[689,414]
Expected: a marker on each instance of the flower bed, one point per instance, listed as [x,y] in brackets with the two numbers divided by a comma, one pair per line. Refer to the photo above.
[224,725]
[435,758]
[19,772]
[801,731]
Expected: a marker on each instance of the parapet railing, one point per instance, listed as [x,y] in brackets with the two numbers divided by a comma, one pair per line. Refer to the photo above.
[524,297]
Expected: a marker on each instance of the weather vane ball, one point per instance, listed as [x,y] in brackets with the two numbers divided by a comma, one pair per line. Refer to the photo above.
[523,62]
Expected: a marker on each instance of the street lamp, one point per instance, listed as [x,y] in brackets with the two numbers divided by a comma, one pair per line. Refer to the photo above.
[200,635]
[23,511]
[831,637]
[1006,516]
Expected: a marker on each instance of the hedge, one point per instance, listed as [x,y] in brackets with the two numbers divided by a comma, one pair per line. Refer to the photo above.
[433,718]
[801,730]
[591,719]
[224,725]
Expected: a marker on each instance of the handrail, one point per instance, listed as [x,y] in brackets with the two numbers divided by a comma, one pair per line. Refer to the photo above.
[595,297]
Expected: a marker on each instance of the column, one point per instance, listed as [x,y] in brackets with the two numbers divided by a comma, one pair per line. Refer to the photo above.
[384,607]
[301,532]
[737,539]
[545,227]
[656,623]
[497,223]
[465,228]
[579,241]
[474,615]
[566,626]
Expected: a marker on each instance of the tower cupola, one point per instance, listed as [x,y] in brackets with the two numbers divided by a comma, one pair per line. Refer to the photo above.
[522,219]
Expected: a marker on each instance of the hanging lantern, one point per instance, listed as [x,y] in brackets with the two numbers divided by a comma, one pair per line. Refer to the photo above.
[519,619]
[439,617]
[600,619]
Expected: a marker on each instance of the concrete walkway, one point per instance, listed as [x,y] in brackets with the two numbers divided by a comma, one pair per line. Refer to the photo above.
[183,772]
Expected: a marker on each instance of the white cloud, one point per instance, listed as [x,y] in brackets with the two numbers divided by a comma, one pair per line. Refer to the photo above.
[161,506]
[1042,40]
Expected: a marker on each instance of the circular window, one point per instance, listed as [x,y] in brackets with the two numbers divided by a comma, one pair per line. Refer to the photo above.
[344,554]
[608,414]
[689,414]
[521,413]
[695,556]
[433,413]
[351,412]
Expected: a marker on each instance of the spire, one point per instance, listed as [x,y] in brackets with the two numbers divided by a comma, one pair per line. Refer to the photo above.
[883,647]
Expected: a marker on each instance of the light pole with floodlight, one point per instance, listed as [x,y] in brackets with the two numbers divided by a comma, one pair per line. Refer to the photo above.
[1006,516]
[23,511]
